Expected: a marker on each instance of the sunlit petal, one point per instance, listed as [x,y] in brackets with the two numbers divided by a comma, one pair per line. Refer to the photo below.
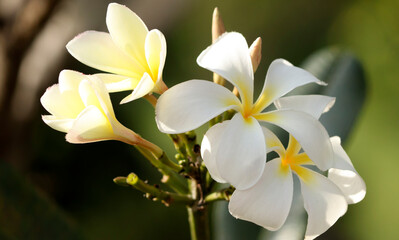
[62,125]
[268,202]
[241,154]
[229,57]
[90,126]
[117,83]
[97,50]
[155,52]
[281,78]
[314,105]
[144,87]
[190,104]
[127,31]
[209,146]
[324,203]
[344,175]
[307,131]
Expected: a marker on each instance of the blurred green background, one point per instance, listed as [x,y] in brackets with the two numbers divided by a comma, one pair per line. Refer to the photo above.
[51,189]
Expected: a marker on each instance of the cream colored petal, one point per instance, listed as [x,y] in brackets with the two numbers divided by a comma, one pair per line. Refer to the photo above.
[309,132]
[91,126]
[268,202]
[117,83]
[144,87]
[241,153]
[209,145]
[190,104]
[97,50]
[229,57]
[273,143]
[281,78]
[324,203]
[62,125]
[314,105]
[344,175]
[155,52]
[127,30]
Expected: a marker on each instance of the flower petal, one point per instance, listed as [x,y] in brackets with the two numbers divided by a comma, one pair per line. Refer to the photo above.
[314,105]
[117,83]
[344,175]
[268,202]
[190,104]
[229,57]
[209,145]
[324,203]
[155,53]
[144,87]
[97,50]
[90,126]
[241,154]
[281,78]
[62,100]
[62,125]
[307,131]
[273,143]
[127,30]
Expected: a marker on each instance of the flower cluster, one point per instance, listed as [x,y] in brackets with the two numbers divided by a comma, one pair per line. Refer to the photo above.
[234,150]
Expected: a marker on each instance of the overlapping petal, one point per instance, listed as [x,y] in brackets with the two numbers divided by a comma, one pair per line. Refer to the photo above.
[344,175]
[155,53]
[281,78]
[307,130]
[229,57]
[272,142]
[241,154]
[127,30]
[268,202]
[314,105]
[117,83]
[188,105]
[98,50]
[324,203]
[145,86]
[209,145]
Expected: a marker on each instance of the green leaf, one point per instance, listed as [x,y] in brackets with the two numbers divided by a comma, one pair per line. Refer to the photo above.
[25,213]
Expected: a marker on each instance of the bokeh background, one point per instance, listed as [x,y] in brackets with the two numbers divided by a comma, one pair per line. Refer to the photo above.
[50,189]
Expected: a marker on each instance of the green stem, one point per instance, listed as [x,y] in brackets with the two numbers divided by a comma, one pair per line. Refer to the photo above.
[156,194]
[198,218]
[220,195]
[171,178]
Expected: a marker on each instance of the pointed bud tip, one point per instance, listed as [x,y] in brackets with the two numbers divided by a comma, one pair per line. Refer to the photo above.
[256,53]
[217,25]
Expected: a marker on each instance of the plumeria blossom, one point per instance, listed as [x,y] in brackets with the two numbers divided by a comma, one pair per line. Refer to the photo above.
[235,151]
[134,55]
[268,202]
[80,106]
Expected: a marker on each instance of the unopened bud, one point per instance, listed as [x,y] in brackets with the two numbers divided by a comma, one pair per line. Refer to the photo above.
[256,53]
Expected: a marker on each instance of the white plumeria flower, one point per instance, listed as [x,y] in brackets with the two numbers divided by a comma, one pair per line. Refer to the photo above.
[268,202]
[133,54]
[235,151]
[80,106]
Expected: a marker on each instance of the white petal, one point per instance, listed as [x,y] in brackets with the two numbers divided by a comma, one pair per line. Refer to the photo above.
[144,87]
[314,105]
[344,175]
[281,78]
[241,154]
[128,31]
[268,202]
[91,126]
[324,203]
[155,53]
[273,143]
[97,50]
[117,83]
[209,145]
[309,132]
[229,57]
[190,104]
[62,125]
